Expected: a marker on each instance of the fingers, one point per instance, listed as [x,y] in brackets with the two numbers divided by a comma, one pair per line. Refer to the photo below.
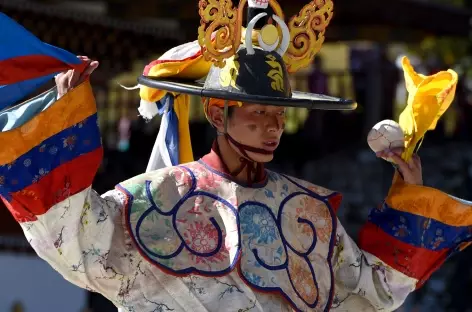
[405,169]
[90,68]
[410,171]
[73,79]
[70,79]
[62,82]
[417,161]
[384,153]
[398,160]
[83,58]
[88,71]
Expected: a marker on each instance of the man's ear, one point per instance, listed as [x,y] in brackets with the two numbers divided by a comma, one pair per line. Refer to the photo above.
[217,117]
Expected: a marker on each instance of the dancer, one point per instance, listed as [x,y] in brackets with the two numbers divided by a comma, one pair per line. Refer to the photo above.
[222,233]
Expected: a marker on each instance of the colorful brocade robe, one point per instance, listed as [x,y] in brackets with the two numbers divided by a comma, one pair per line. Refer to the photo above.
[188,238]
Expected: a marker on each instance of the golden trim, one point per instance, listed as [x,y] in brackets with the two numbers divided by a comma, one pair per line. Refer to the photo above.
[307,30]
[222,22]
[220,30]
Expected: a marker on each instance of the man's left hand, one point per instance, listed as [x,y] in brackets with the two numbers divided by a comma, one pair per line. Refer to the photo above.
[411,171]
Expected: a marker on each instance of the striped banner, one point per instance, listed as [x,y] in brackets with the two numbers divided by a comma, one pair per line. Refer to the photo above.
[27,63]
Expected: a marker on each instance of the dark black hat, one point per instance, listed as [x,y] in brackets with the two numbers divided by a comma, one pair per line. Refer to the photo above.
[253,74]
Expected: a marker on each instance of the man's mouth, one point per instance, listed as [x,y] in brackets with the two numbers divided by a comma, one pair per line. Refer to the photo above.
[270,145]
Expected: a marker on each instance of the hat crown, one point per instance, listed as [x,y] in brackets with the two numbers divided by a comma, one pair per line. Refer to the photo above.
[298,42]
[249,64]
[261,73]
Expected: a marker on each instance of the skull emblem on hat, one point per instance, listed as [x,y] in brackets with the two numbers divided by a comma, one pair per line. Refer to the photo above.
[260,4]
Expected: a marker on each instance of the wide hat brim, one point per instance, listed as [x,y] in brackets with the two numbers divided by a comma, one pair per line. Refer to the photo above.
[298,99]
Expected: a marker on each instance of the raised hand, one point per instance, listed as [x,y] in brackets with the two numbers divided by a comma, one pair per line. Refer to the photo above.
[411,171]
[68,80]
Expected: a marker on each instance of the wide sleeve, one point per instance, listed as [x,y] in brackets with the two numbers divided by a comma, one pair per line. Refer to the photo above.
[404,241]
[50,151]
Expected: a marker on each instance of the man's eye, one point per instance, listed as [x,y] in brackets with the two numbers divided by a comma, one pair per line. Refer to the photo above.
[259,112]
[282,113]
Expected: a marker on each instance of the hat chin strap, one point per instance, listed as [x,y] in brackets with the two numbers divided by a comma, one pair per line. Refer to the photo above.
[246,161]
[251,166]
[246,148]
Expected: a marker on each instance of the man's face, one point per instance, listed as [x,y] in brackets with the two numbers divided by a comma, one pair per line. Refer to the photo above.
[259,126]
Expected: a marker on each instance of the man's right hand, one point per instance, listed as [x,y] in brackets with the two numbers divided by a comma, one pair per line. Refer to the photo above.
[70,79]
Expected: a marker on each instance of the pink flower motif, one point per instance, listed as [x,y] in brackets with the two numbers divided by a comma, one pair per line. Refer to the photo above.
[181,176]
[202,238]
[208,181]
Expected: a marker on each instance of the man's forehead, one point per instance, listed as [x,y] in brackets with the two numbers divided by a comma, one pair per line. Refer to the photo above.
[265,106]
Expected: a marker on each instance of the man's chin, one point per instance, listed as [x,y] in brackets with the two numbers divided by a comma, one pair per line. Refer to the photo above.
[261,158]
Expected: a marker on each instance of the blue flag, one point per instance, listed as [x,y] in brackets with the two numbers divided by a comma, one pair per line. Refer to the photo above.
[27,63]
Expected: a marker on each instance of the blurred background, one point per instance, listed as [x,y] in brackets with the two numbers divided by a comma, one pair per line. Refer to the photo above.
[360,60]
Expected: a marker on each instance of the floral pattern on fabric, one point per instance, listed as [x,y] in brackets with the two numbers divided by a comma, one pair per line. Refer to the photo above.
[57,150]
[419,231]
[185,224]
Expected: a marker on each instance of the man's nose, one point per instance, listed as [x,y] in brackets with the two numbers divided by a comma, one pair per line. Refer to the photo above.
[274,124]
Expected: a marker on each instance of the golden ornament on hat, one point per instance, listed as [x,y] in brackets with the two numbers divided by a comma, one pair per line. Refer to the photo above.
[269,34]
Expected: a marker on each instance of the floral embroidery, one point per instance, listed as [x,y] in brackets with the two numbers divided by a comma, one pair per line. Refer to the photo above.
[181,177]
[254,278]
[69,142]
[320,217]
[42,172]
[53,152]
[181,225]
[401,230]
[260,225]
[273,177]
[303,280]
[201,238]
[320,190]
[83,216]
[2,180]
[10,165]
[64,192]
[207,180]
[269,194]
[438,240]
[417,230]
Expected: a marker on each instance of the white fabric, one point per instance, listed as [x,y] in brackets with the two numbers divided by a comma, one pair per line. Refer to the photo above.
[182,51]
[147,110]
[160,155]
[84,239]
